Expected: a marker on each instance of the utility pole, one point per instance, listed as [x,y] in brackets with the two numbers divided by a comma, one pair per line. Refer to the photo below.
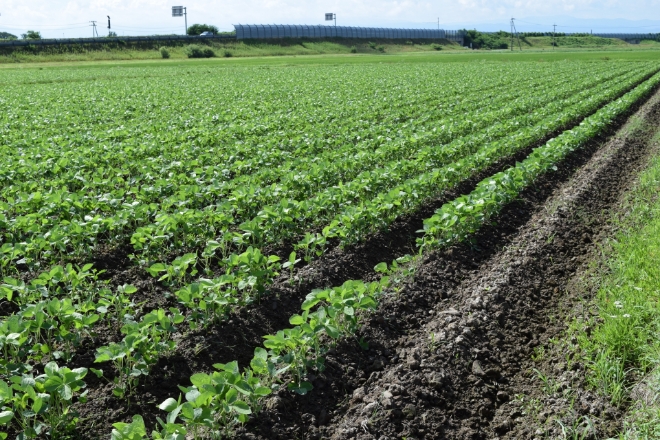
[554,33]
[511,35]
[93,25]
[109,28]
[514,31]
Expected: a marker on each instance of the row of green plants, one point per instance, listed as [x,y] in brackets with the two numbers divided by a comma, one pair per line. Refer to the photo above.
[245,276]
[256,162]
[251,199]
[216,402]
[75,220]
[459,219]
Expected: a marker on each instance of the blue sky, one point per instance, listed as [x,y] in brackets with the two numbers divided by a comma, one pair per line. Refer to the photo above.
[70,18]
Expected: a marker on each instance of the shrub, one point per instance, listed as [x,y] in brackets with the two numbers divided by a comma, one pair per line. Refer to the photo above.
[435,46]
[227,53]
[353,49]
[381,48]
[197,51]
[164,52]
[372,45]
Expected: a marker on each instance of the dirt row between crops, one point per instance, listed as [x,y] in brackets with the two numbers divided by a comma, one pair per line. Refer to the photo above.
[448,355]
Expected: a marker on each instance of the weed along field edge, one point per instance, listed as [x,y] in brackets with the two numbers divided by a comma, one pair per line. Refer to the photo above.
[361,246]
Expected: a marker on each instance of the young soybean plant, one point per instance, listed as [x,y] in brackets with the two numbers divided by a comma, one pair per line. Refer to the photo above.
[214,404]
[42,405]
[140,349]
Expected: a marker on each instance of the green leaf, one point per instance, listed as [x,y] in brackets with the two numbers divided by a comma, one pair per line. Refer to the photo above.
[6,417]
[241,407]
[262,391]
[168,405]
[381,268]
[296,320]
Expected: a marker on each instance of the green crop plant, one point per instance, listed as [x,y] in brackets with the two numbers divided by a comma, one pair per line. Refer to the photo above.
[144,342]
[42,405]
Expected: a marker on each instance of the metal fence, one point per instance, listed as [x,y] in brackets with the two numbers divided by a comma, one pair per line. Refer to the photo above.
[268,31]
[628,36]
[107,40]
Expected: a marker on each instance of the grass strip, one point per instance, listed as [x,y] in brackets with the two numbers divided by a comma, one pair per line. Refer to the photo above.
[624,344]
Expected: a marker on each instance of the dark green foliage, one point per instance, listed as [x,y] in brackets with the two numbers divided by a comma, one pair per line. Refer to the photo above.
[353,49]
[31,35]
[197,29]
[164,52]
[197,51]
[228,53]
[480,40]
[7,36]
[435,46]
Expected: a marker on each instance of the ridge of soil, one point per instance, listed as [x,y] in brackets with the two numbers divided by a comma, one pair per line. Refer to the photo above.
[487,304]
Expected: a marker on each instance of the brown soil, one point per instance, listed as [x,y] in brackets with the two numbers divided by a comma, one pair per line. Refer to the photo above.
[449,355]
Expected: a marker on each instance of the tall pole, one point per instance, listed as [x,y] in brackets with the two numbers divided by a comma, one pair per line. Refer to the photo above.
[554,33]
[513,30]
[109,28]
[93,25]
[185,16]
[512,35]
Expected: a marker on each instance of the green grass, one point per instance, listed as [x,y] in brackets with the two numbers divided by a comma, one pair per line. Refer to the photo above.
[625,343]
[238,49]
[339,52]
[615,55]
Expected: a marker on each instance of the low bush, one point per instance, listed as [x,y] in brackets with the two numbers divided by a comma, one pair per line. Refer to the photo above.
[164,52]
[435,46]
[197,51]
[227,53]
[353,49]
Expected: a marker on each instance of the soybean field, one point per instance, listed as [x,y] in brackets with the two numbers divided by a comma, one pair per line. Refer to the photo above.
[196,251]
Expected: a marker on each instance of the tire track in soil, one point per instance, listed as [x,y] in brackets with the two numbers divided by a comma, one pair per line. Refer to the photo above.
[488,305]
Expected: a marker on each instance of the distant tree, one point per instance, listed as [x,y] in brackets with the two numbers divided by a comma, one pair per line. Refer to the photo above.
[31,35]
[7,36]
[112,34]
[197,29]
[479,40]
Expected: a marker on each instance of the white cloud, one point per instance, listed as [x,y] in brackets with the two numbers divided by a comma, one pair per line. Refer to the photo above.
[55,18]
